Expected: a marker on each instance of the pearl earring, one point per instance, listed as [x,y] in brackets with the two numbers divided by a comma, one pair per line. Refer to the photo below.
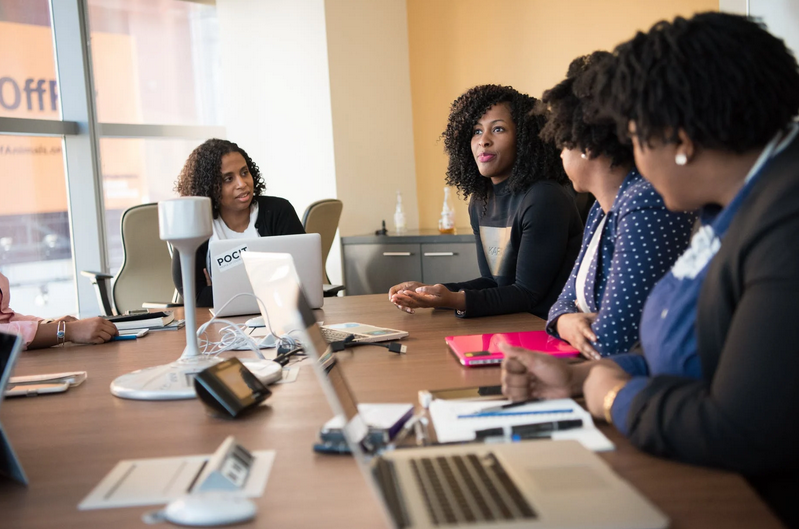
[584,156]
[681,159]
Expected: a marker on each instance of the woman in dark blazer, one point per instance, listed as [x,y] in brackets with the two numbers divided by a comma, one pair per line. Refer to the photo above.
[709,104]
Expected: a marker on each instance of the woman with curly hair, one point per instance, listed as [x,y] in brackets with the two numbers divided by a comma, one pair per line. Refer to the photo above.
[525,221]
[223,172]
[599,309]
[710,104]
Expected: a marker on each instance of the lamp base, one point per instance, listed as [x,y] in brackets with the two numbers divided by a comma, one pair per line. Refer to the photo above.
[175,381]
[165,382]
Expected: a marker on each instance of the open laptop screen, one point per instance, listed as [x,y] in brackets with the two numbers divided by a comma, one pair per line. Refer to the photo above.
[275,282]
[10,347]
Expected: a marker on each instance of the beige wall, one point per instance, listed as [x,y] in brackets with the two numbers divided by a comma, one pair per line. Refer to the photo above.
[456,44]
[370,95]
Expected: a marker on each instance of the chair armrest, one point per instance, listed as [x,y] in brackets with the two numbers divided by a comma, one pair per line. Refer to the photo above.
[101,288]
[331,290]
[94,276]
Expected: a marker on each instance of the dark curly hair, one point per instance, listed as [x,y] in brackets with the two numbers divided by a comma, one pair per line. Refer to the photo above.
[569,127]
[201,175]
[535,158]
[722,78]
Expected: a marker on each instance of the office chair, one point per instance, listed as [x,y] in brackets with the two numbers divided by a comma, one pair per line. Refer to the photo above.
[146,272]
[322,217]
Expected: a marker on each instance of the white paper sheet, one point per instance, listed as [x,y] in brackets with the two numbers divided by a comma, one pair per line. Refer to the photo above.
[137,482]
[450,428]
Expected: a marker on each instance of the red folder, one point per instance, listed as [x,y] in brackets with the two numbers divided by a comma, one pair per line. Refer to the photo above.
[483,349]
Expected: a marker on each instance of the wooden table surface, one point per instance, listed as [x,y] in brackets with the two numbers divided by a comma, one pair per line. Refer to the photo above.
[68,442]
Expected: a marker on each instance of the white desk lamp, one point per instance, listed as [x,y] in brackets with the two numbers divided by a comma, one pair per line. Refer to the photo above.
[185,223]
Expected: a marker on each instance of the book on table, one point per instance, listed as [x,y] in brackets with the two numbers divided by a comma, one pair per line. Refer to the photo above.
[150,320]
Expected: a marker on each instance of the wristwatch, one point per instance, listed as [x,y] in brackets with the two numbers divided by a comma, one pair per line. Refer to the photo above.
[61,332]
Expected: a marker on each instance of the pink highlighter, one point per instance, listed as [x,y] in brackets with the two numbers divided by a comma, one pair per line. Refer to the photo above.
[483,349]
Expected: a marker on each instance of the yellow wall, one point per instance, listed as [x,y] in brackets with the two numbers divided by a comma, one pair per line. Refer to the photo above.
[457,44]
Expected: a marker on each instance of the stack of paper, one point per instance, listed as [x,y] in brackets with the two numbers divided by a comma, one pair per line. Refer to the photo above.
[454,420]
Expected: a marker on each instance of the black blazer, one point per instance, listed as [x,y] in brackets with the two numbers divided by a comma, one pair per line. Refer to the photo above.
[744,414]
[276,216]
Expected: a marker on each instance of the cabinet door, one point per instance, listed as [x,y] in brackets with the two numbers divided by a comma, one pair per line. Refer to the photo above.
[449,262]
[374,268]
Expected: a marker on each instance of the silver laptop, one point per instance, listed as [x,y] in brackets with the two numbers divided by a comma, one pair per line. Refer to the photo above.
[10,347]
[531,484]
[229,278]
[266,271]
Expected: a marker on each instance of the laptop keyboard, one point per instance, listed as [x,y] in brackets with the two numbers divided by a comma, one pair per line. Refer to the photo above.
[464,489]
[332,335]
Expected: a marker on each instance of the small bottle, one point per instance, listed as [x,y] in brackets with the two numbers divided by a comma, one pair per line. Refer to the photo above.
[399,215]
[446,224]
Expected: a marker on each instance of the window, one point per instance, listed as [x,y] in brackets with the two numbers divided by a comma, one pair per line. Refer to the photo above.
[153,64]
[156,96]
[35,249]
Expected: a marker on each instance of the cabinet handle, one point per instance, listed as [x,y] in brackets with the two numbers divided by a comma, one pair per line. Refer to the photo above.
[397,254]
[439,254]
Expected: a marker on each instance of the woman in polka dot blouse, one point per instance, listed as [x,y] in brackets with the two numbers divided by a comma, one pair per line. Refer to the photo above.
[630,240]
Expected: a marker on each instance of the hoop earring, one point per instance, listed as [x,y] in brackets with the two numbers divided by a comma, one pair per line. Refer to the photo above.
[681,159]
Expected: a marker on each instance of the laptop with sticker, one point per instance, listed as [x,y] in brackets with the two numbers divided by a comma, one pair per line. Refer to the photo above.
[229,277]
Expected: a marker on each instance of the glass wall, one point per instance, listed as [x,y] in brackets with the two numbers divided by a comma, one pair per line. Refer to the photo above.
[35,250]
[154,78]
[153,64]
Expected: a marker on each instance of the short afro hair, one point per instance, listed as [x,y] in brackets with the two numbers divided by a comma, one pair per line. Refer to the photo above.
[535,158]
[201,175]
[722,78]
[568,124]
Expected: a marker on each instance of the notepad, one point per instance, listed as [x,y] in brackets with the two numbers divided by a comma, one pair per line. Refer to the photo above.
[483,349]
[453,424]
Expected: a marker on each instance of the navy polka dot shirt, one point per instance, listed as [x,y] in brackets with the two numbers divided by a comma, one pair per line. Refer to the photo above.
[640,241]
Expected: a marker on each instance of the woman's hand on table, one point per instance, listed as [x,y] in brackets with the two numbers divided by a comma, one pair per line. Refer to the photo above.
[602,379]
[414,295]
[90,330]
[527,374]
[575,328]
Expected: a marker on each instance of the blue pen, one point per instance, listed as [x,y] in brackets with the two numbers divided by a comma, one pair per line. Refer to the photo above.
[512,413]
[123,337]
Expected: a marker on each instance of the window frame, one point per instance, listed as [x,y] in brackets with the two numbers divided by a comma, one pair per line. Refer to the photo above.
[81,133]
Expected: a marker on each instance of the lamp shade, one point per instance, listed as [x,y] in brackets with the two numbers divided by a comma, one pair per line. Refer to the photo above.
[185,219]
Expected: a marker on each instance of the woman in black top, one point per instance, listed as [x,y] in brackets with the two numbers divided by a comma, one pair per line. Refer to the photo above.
[223,172]
[522,212]
[709,103]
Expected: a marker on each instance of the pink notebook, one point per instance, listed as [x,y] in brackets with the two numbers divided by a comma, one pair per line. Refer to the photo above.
[483,349]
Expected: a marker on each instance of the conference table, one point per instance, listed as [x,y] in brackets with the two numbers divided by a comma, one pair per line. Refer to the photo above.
[68,442]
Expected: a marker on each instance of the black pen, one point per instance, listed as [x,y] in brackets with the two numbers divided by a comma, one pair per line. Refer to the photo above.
[506,406]
[544,429]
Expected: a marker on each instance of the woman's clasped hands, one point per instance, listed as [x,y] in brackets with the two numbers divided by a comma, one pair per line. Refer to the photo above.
[412,295]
